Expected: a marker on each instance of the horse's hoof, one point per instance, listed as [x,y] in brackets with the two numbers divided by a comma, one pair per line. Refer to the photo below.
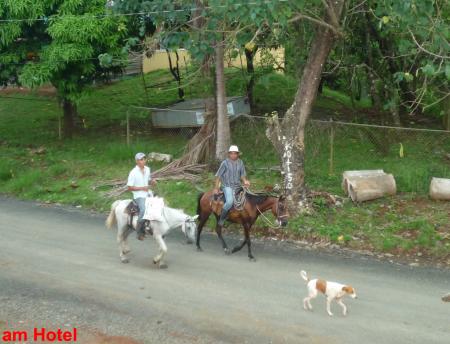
[234,250]
[252,259]
[199,249]
[227,251]
[163,266]
[125,260]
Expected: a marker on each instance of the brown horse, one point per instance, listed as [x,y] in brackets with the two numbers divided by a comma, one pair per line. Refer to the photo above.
[254,206]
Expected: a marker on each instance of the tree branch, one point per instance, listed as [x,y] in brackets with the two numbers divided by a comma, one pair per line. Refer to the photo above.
[300,16]
[425,50]
[331,13]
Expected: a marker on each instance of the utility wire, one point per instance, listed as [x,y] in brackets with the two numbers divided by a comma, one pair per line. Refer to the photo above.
[143,13]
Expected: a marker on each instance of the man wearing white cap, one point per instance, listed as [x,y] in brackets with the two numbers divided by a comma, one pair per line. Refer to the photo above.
[138,180]
[229,177]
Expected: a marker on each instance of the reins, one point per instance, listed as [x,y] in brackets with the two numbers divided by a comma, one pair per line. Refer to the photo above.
[239,201]
[267,220]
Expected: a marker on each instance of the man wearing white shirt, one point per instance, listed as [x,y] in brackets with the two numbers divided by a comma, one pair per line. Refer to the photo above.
[138,183]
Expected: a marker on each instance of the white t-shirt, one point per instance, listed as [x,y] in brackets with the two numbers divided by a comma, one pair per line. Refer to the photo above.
[137,177]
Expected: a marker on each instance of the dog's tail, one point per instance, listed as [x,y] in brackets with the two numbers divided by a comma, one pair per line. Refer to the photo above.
[304,275]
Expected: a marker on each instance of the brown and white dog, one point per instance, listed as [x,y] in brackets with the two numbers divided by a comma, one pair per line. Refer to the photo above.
[332,291]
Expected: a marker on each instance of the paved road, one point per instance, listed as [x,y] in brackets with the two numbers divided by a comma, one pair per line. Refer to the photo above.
[60,268]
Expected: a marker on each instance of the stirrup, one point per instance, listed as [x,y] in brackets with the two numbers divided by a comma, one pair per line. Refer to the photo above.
[147,228]
[140,231]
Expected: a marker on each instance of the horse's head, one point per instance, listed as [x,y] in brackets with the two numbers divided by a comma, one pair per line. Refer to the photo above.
[282,211]
[190,228]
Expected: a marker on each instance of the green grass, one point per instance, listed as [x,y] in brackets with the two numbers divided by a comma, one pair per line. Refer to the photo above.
[67,171]
[336,96]
[399,224]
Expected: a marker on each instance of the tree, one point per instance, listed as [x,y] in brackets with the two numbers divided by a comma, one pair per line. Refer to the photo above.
[402,51]
[422,72]
[288,136]
[420,33]
[223,124]
[234,24]
[71,43]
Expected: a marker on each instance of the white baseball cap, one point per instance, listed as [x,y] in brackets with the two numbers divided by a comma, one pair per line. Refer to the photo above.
[139,156]
[233,148]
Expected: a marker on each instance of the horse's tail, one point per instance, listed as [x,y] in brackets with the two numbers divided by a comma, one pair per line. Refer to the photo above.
[199,197]
[111,220]
[304,275]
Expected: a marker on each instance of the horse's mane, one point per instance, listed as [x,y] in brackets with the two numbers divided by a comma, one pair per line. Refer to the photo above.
[175,210]
[256,198]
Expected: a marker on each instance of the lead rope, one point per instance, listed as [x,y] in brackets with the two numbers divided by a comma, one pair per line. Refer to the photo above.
[239,202]
[267,220]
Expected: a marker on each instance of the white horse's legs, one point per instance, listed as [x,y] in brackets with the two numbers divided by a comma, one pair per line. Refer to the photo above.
[126,247]
[162,251]
[122,239]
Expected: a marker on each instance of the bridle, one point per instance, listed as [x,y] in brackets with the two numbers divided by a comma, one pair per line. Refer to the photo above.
[184,224]
[267,220]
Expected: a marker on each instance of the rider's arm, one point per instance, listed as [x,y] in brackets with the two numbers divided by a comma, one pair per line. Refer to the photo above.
[138,188]
[243,173]
[219,173]
[216,185]
[245,181]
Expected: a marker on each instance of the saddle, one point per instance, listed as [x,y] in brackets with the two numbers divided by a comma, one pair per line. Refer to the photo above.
[132,210]
[218,200]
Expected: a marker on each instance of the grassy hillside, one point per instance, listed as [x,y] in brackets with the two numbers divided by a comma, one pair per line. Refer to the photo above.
[36,165]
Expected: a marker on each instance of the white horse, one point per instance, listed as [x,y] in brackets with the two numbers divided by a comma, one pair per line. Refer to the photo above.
[173,218]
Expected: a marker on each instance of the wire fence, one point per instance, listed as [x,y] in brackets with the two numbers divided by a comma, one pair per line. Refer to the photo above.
[412,155]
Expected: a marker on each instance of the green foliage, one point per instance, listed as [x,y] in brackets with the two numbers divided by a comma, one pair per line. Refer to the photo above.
[395,51]
[419,35]
[65,48]
[403,222]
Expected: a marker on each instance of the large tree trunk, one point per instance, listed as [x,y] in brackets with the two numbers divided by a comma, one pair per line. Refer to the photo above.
[405,94]
[288,136]
[223,124]
[249,55]
[376,100]
[446,118]
[440,189]
[395,108]
[201,148]
[70,116]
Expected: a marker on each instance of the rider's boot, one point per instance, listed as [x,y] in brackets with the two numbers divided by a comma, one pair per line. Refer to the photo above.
[148,229]
[222,218]
[140,230]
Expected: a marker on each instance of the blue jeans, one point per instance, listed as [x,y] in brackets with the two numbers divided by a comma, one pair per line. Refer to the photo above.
[141,204]
[228,193]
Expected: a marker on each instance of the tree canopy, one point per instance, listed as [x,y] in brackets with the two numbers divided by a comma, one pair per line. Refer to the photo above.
[67,43]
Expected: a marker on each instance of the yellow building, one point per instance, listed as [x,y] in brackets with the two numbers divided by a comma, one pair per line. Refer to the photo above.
[159,60]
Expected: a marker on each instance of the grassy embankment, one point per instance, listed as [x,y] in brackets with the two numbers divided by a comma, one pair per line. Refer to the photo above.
[67,170]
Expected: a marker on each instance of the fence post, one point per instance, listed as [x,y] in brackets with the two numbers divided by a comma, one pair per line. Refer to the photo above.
[128,127]
[59,128]
[331,160]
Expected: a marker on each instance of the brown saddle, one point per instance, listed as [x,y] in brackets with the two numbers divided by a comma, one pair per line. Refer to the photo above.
[218,200]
